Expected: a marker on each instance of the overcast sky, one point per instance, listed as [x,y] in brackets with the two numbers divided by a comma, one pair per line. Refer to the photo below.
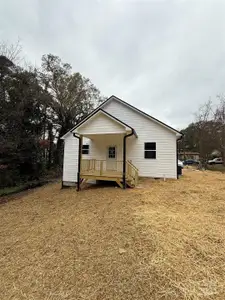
[164,56]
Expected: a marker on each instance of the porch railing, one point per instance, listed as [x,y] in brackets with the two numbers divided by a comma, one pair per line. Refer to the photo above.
[109,167]
[101,167]
[132,172]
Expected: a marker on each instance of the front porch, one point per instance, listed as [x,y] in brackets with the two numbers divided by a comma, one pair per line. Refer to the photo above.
[93,169]
[105,155]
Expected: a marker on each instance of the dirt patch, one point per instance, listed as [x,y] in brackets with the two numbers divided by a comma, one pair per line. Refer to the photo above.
[163,241]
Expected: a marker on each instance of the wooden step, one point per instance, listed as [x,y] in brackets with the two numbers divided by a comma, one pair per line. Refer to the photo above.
[131,183]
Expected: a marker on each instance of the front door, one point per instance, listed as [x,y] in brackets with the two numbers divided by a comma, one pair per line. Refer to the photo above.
[111,158]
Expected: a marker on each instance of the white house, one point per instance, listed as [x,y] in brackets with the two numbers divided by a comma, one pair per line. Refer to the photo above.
[119,142]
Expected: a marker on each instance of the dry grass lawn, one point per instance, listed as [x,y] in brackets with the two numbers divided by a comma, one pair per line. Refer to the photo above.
[163,240]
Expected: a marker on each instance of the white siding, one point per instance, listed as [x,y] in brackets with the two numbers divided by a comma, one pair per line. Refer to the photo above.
[101,124]
[99,145]
[147,131]
[70,158]
[97,149]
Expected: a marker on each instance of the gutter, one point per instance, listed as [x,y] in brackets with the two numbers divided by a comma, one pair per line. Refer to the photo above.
[79,160]
[180,138]
[124,156]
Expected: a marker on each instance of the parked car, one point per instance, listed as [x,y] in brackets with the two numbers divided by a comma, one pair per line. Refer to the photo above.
[215,161]
[190,162]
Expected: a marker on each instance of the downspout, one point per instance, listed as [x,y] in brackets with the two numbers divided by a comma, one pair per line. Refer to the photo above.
[180,138]
[79,161]
[124,156]
[62,186]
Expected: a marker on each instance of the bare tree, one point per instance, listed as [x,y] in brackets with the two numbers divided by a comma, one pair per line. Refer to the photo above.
[11,51]
[219,117]
[72,96]
[206,131]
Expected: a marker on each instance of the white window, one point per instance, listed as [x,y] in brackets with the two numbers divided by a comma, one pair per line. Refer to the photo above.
[85,149]
[112,152]
[150,150]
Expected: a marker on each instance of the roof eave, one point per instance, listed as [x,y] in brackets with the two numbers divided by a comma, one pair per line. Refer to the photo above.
[178,133]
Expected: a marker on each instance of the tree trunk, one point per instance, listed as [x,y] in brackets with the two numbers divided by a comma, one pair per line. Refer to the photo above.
[50,137]
[59,149]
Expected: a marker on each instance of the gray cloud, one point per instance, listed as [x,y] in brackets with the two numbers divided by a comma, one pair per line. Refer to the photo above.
[165,57]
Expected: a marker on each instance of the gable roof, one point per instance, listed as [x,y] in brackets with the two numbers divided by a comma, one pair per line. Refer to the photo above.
[141,112]
[100,110]
[128,105]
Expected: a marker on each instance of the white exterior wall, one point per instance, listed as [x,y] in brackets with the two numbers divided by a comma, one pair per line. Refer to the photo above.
[70,158]
[147,131]
[97,149]
[101,124]
[99,145]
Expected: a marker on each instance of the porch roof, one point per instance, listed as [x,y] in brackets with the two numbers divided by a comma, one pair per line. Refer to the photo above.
[101,122]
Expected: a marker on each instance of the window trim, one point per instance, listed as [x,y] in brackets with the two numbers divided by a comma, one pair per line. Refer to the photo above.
[85,149]
[112,146]
[150,150]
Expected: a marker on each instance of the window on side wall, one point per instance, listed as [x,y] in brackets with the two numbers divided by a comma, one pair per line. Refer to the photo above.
[150,150]
[85,149]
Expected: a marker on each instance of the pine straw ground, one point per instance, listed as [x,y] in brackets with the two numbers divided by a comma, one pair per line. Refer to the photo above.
[163,240]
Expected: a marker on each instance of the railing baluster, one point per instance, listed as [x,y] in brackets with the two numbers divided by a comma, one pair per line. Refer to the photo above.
[92,165]
[132,172]
[101,167]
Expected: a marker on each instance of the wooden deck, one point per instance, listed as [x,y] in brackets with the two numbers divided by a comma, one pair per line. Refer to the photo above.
[107,173]
[92,169]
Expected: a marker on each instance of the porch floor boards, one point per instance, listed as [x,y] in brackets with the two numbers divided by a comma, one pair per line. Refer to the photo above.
[105,175]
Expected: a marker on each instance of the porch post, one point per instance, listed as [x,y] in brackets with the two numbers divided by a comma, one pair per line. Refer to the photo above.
[80,138]
[124,156]
[79,161]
